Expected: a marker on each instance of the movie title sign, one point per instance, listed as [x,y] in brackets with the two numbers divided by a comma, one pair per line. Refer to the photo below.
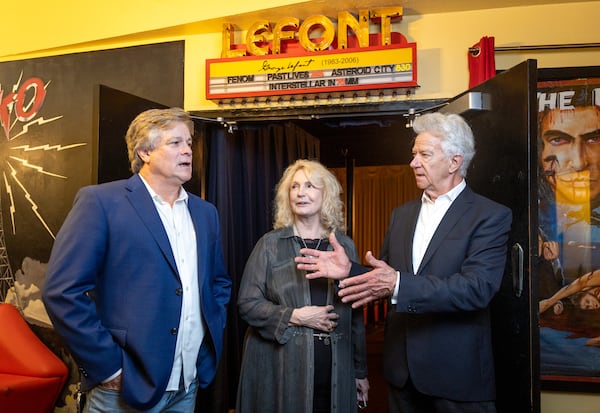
[290,59]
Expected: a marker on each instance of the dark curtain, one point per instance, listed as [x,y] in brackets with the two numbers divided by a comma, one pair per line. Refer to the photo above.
[244,165]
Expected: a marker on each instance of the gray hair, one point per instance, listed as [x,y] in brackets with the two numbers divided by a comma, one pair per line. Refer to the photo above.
[146,128]
[456,135]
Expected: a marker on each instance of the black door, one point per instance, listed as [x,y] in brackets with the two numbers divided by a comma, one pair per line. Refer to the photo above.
[502,113]
[115,111]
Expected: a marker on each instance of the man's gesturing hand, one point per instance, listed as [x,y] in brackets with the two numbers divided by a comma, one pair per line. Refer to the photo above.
[329,264]
[377,283]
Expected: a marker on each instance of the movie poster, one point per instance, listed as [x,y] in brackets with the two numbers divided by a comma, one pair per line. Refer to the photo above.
[569,229]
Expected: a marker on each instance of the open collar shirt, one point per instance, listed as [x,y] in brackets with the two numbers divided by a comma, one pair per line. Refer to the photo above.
[430,216]
[178,224]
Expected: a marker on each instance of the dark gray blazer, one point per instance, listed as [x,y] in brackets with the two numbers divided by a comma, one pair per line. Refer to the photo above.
[440,332]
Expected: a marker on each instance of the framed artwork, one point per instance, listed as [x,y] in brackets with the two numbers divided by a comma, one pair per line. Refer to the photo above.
[569,228]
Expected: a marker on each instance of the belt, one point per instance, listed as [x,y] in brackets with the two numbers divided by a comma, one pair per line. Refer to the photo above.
[327,337]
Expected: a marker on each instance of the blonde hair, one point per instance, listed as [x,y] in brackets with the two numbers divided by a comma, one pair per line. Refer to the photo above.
[332,215]
[146,128]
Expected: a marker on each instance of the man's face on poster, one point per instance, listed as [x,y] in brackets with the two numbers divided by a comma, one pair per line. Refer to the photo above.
[571,153]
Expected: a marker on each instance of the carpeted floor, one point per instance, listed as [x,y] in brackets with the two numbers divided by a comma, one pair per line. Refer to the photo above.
[378,393]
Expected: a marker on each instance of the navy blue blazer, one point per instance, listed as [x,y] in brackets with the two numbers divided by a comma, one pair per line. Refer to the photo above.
[440,332]
[113,292]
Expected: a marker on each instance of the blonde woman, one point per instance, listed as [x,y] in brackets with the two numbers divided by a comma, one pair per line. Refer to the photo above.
[304,349]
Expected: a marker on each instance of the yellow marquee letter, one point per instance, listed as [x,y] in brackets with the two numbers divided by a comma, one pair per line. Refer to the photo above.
[279,34]
[360,28]
[307,27]
[386,14]
[259,33]
[227,42]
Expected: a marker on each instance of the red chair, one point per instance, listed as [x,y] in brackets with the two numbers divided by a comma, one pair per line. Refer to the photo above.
[31,376]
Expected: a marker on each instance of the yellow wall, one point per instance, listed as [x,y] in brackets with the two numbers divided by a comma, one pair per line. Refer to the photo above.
[442,47]
[40,25]
[556,402]
[66,26]
[442,39]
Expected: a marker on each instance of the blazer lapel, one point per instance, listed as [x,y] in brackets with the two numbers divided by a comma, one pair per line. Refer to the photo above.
[142,203]
[457,210]
[413,216]
[397,245]
[201,237]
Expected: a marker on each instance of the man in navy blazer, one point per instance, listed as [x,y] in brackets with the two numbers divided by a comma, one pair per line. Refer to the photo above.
[136,283]
[442,262]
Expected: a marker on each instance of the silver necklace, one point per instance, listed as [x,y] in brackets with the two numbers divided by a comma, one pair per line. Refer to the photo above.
[304,242]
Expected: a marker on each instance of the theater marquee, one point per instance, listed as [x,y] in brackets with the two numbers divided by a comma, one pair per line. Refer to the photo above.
[388,67]
[286,60]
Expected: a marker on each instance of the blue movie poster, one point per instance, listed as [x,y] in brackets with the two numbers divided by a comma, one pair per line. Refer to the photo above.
[569,229]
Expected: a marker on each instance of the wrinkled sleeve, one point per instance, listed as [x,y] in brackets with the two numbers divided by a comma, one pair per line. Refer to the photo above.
[268,318]
[359,344]
[76,259]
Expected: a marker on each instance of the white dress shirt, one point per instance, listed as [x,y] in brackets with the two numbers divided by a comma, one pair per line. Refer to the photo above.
[182,237]
[430,216]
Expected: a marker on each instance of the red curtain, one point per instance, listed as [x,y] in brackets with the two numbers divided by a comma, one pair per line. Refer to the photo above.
[482,65]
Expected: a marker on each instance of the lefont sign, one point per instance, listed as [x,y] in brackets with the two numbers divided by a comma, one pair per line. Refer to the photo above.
[271,71]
